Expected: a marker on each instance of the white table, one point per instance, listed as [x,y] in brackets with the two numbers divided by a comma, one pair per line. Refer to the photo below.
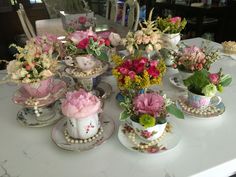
[207,147]
[54,26]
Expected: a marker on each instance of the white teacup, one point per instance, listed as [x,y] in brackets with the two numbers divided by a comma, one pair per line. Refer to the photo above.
[83,128]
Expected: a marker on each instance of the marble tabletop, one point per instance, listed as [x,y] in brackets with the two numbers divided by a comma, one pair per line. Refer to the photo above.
[207,147]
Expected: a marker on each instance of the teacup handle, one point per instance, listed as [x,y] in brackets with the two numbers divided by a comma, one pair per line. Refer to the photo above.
[215,100]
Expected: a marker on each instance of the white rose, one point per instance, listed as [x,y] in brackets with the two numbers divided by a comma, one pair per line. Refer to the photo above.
[46,73]
[149,48]
[115,39]
[130,49]
[157,47]
[13,66]
[155,38]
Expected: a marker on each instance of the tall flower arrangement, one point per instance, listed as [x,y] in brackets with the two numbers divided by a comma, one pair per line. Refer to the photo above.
[87,42]
[36,61]
[147,39]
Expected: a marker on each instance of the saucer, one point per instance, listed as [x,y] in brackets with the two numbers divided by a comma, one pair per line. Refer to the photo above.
[210,111]
[51,114]
[170,139]
[177,81]
[58,89]
[58,136]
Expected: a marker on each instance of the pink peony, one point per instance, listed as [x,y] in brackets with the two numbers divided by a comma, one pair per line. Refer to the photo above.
[149,103]
[80,104]
[214,78]
[175,19]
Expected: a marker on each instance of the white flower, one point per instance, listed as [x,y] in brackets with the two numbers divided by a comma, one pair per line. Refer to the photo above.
[13,66]
[130,49]
[146,39]
[46,73]
[115,39]
[149,48]
[157,47]
[155,38]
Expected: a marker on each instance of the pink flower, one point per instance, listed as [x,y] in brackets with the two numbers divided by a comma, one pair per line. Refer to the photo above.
[82,20]
[214,78]
[132,74]
[153,63]
[77,36]
[175,19]
[153,71]
[80,104]
[127,64]
[107,42]
[83,44]
[149,103]
[123,70]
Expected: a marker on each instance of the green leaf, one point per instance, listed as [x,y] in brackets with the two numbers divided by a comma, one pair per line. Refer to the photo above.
[226,80]
[124,115]
[172,109]
[103,56]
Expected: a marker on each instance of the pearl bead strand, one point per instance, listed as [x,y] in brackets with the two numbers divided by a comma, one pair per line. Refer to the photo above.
[71,140]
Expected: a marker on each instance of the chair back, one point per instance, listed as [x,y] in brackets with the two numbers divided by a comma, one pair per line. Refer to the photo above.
[111,10]
[133,14]
[26,24]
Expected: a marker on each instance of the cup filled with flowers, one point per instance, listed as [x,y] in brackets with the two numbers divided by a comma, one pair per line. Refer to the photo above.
[146,113]
[137,74]
[36,64]
[189,59]
[202,88]
[82,110]
[145,41]
[171,28]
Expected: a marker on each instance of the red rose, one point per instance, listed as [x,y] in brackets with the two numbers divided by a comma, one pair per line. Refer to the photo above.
[127,64]
[153,71]
[123,70]
[131,74]
[153,63]
[82,20]
[107,42]
[139,65]
[143,60]
[83,44]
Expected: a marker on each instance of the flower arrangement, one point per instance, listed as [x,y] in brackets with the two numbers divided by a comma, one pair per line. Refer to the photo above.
[80,104]
[138,73]
[192,58]
[147,39]
[148,109]
[87,42]
[206,83]
[80,23]
[36,61]
[171,25]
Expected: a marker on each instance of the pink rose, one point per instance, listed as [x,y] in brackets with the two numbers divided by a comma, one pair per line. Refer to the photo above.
[123,70]
[80,104]
[175,19]
[214,78]
[82,20]
[131,74]
[139,65]
[149,103]
[153,63]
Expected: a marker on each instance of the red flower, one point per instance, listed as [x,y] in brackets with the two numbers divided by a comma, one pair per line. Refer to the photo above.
[82,20]
[83,44]
[153,71]
[143,60]
[127,64]
[107,42]
[139,65]
[214,78]
[153,63]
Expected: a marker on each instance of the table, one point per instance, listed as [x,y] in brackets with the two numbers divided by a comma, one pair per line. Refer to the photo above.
[54,26]
[207,147]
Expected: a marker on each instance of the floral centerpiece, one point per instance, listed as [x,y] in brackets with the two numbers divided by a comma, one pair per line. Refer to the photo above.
[36,61]
[203,85]
[138,73]
[81,108]
[147,114]
[87,42]
[82,22]
[148,39]
[192,58]
[171,25]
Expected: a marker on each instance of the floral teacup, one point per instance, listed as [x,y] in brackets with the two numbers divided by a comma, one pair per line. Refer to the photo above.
[201,101]
[150,133]
[83,128]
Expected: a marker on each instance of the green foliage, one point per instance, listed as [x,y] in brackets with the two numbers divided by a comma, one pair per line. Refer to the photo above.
[172,109]
[225,80]
[168,27]
[197,81]
[127,106]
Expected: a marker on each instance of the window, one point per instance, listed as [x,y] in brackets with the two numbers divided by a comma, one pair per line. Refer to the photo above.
[35,1]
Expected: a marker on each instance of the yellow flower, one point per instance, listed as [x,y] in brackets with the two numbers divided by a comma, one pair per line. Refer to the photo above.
[128,82]
[117,59]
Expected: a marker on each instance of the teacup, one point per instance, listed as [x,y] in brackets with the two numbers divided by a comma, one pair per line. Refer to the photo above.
[83,128]
[201,101]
